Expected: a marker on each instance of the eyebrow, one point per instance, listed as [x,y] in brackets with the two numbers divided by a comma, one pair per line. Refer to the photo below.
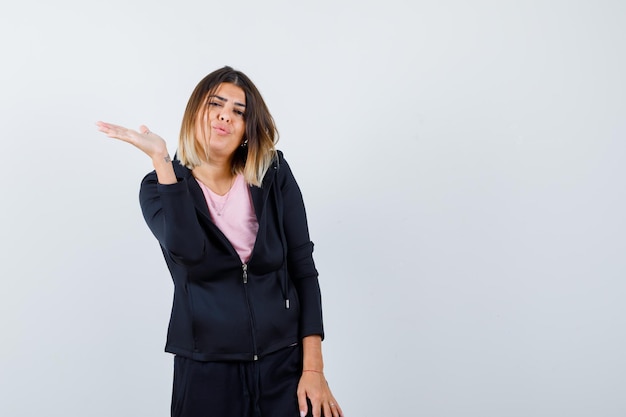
[225,100]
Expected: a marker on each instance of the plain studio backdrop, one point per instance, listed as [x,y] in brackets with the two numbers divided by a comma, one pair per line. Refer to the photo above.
[462,163]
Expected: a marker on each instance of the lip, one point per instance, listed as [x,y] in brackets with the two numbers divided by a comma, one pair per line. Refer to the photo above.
[221,129]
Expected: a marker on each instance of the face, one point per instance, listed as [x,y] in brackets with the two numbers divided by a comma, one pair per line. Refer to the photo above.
[224,123]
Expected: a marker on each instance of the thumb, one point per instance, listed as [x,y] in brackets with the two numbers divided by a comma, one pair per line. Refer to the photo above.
[144,129]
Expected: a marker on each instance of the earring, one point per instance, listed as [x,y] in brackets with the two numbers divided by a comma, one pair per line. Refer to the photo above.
[244,143]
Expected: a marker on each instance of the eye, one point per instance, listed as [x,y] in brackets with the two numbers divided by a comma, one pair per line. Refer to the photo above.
[240,113]
[214,103]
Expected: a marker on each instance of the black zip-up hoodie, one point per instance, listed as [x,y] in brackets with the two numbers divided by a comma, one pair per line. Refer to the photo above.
[223,309]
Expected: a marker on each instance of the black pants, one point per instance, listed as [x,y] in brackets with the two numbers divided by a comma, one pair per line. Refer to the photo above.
[263,388]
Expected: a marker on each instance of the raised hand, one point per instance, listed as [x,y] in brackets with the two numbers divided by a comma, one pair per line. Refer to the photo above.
[149,143]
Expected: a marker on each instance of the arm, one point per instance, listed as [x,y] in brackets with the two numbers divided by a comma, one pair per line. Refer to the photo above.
[165,202]
[170,214]
[313,384]
[300,262]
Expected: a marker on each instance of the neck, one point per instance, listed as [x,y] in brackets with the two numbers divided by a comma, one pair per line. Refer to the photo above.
[215,170]
[216,175]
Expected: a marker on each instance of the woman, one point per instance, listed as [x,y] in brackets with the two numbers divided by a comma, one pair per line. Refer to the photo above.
[246,322]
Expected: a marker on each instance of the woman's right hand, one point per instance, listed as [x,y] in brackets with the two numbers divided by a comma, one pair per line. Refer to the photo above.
[151,144]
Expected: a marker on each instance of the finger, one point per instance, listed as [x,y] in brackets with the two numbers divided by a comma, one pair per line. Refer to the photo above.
[111,129]
[330,409]
[302,405]
[144,129]
[103,127]
[106,127]
[317,409]
[335,409]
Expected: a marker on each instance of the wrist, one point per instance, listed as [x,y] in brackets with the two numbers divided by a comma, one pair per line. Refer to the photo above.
[313,370]
[164,169]
[161,158]
[312,353]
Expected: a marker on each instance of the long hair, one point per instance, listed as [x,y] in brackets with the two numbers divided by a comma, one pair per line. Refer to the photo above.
[254,158]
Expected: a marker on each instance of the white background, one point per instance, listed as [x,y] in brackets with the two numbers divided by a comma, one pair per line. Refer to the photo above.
[462,165]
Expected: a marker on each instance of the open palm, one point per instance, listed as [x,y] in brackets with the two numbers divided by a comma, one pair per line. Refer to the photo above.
[151,144]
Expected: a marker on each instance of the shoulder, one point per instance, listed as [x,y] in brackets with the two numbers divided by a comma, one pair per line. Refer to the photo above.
[280,165]
[276,170]
[280,162]
[284,174]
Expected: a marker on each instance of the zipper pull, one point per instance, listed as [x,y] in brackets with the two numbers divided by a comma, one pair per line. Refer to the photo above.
[245,273]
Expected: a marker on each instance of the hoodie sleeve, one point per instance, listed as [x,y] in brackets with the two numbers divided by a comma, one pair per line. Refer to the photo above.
[170,214]
[300,262]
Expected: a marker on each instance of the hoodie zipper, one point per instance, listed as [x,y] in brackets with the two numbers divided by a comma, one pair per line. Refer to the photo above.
[244,268]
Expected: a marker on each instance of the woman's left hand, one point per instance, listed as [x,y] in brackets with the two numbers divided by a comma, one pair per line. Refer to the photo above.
[313,385]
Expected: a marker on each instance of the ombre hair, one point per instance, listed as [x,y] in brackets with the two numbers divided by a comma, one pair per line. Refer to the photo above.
[255,156]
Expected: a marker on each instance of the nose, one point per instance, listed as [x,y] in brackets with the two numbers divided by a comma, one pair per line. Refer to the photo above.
[224,116]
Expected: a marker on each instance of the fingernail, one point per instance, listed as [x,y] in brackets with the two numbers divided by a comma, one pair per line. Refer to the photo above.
[302,413]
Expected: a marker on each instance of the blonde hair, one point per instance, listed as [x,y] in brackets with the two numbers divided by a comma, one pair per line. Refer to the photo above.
[255,156]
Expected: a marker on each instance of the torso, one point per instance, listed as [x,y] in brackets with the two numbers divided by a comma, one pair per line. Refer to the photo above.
[233,213]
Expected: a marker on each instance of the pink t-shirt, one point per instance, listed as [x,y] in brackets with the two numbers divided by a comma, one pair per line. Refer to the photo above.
[233,213]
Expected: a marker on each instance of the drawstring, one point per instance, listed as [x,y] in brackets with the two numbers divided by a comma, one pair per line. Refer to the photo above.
[244,387]
[284,279]
[256,374]
[251,396]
